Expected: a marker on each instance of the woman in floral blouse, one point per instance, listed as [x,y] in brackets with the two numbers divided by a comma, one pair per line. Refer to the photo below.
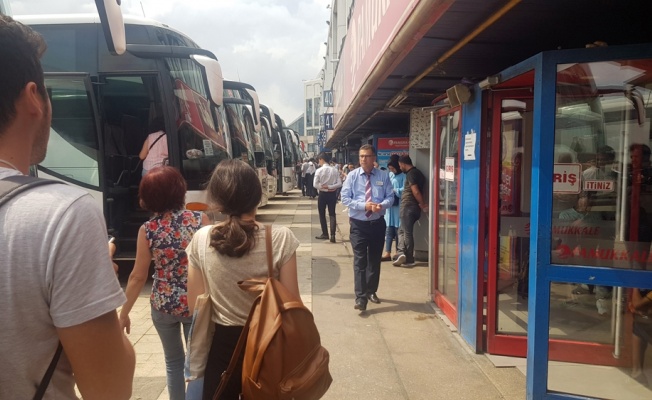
[164,239]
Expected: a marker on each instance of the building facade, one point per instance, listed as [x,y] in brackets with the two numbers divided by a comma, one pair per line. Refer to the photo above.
[535,137]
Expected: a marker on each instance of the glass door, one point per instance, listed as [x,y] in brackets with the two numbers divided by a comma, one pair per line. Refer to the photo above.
[584,320]
[446,179]
[509,221]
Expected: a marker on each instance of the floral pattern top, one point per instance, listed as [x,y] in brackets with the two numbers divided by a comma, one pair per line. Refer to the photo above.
[168,235]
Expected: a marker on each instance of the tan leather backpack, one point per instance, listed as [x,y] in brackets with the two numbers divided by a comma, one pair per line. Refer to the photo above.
[284,358]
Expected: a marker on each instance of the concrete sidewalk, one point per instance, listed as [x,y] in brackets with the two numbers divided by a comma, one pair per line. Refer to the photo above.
[399,349]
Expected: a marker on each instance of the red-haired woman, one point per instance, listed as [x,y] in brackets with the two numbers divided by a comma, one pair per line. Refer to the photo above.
[164,238]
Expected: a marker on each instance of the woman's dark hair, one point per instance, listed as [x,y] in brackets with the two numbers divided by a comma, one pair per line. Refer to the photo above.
[394,163]
[157,124]
[162,189]
[235,189]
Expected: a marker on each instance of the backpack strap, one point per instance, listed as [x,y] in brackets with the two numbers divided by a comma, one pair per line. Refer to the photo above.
[226,375]
[270,255]
[9,188]
[12,185]
[42,387]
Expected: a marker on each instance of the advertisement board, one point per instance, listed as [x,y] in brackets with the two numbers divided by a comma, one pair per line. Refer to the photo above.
[386,146]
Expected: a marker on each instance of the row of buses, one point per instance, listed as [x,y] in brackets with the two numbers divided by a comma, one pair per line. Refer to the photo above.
[103,106]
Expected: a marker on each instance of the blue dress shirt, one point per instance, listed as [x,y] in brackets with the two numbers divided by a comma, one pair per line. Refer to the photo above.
[355,186]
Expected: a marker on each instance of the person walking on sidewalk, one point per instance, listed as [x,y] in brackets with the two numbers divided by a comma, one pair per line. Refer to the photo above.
[367,192]
[304,169]
[230,251]
[59,289]
[164,238]
[392,215]
[412,203]
[327,181]
[310,176]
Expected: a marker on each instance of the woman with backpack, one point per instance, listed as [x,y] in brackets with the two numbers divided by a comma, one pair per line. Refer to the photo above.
[231,251]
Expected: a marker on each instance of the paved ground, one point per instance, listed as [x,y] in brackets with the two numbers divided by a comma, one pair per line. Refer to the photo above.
[399,349]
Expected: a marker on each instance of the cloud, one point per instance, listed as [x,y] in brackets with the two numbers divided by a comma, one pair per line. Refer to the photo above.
[270,44]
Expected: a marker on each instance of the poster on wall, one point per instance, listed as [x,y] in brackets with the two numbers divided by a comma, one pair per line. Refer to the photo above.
[385,147]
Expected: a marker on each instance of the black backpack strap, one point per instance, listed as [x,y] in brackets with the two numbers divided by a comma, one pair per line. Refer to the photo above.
[12,185]
[48,374]
[9,188]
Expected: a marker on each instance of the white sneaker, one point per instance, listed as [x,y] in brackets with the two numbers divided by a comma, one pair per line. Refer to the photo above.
[399,260]
[408,265]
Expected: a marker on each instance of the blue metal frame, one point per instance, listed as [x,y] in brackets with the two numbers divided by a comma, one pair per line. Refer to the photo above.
[470,277]
[542,165]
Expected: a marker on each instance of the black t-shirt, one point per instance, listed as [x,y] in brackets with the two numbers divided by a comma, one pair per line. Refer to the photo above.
[412,177]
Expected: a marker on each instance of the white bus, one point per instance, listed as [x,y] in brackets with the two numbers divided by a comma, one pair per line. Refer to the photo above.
[5,8]
[283,154]
[266,130]
[102,106]
[243,115]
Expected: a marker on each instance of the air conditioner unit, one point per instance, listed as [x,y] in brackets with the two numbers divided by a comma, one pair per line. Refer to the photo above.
[458,94]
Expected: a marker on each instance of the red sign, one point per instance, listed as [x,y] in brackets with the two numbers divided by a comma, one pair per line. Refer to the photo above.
[400,143]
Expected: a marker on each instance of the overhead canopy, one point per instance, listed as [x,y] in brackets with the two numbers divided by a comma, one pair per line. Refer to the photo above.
[472,39]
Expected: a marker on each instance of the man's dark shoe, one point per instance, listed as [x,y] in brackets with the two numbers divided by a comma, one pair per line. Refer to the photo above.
[322,236]
[373,298]
[333,239]
[360,304]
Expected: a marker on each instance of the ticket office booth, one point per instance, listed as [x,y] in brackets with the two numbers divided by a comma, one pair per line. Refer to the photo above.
[569,221]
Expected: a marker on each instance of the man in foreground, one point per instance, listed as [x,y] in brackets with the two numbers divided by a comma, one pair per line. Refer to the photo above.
[367,192]
[58,280]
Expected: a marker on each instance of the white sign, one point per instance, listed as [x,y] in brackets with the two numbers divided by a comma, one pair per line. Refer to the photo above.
[208,148]
[598,186]
[449,173]
[469,145]
[566,178]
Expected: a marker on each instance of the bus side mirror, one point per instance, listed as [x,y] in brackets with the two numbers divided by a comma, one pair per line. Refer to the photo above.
[214,76]
[254,96]
[113,25]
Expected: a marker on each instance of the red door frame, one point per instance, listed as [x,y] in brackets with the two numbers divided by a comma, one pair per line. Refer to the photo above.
[512,345]
[449,309]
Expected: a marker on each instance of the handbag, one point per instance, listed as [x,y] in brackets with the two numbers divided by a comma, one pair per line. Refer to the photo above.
[202,329]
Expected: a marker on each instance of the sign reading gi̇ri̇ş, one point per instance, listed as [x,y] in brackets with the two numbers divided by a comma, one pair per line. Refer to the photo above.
[566,178]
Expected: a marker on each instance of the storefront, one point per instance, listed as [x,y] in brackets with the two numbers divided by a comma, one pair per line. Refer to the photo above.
[542,219]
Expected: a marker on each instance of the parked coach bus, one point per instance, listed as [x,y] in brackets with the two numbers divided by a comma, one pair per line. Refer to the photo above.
[103,106]
[285,158]
[243,115]
[266,130]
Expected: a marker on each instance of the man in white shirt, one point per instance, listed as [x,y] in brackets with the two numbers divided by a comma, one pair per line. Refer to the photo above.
[327,181]
[302,184]
[310,176]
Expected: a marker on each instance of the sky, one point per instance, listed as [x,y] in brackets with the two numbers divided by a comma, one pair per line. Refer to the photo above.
[273,45]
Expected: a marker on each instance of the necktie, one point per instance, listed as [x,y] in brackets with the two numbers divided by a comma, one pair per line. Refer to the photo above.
[367,194]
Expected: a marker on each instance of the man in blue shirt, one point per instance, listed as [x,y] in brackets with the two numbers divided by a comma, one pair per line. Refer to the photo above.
[367,192]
